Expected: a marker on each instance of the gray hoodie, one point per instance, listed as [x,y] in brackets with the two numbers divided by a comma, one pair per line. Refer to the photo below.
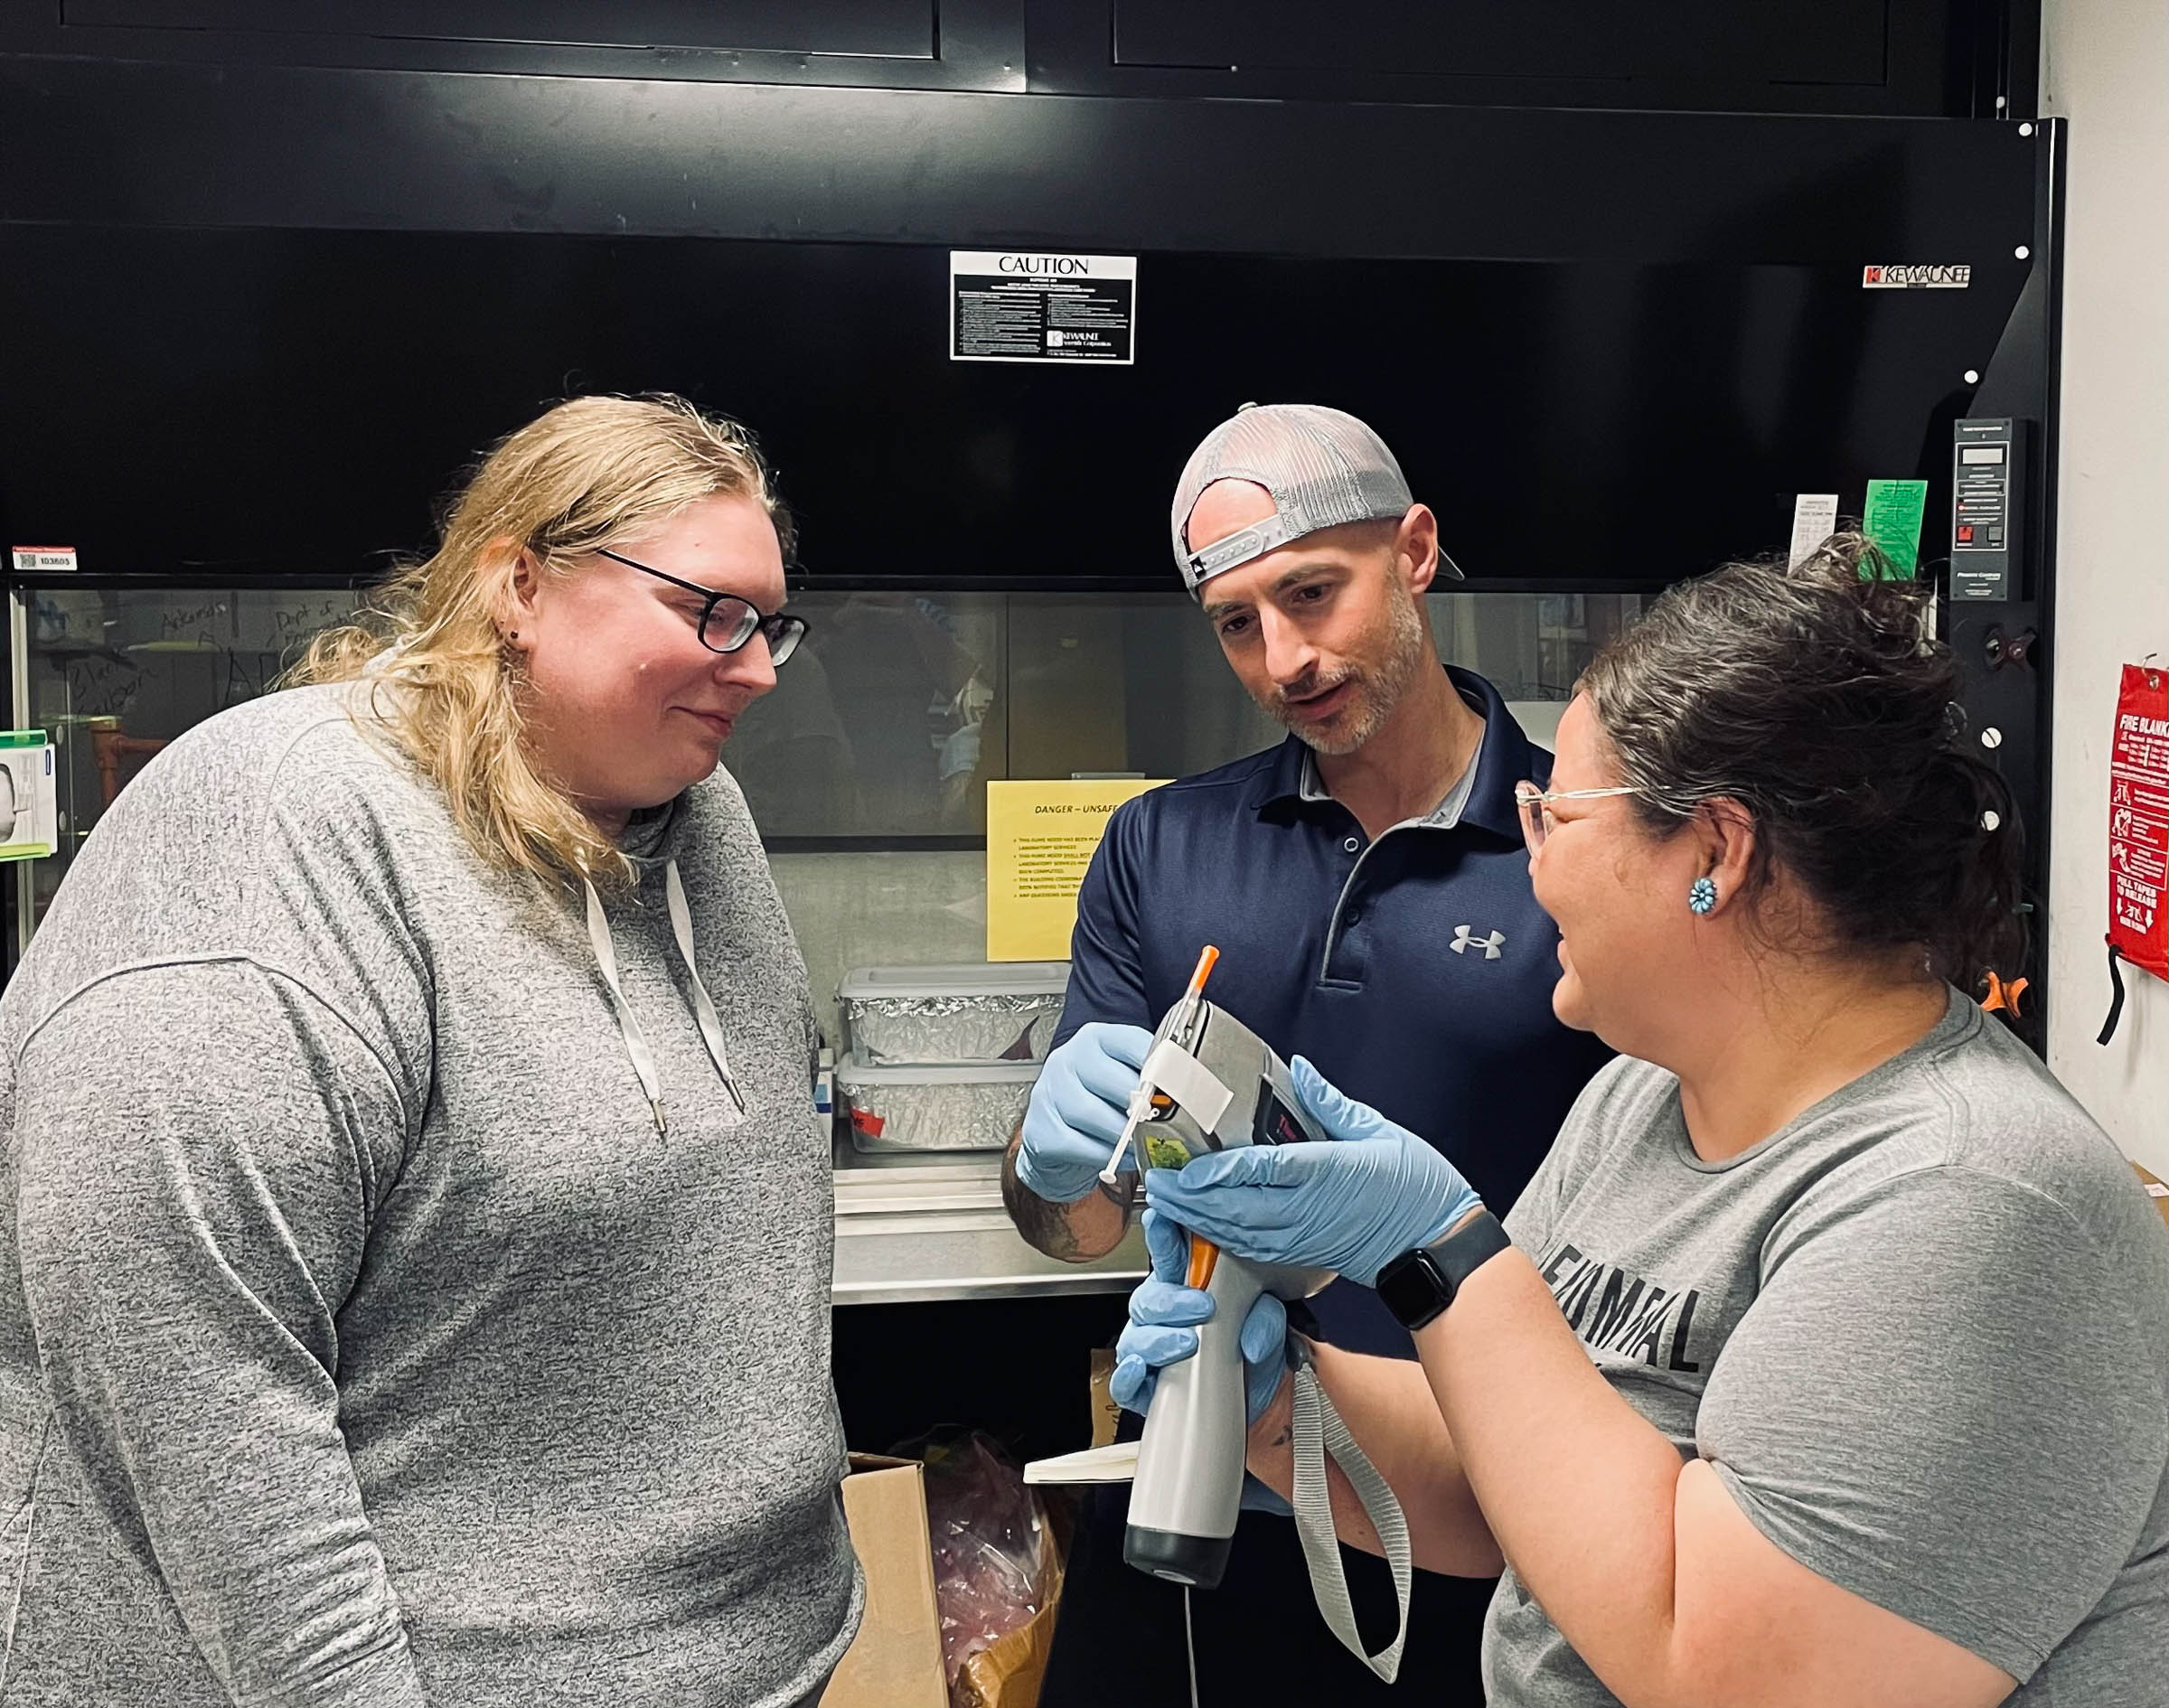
[362,1340]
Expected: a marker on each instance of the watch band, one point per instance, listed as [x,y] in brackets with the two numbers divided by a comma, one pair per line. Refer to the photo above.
[1418,1285]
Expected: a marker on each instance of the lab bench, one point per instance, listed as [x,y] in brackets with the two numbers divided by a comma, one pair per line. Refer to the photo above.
[930,1227]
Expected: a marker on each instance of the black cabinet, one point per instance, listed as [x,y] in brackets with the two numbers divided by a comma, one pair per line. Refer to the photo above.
[1913,58]
[896,29]
[1958,58]
[848,43]
[1769,42]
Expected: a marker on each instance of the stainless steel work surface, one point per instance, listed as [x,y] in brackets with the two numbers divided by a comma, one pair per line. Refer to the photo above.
[931,1225]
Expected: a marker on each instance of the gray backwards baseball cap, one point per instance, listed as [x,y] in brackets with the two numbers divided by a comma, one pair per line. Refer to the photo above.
[1322,466]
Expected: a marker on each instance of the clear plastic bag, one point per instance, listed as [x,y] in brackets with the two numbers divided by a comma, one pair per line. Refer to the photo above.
[992,1558]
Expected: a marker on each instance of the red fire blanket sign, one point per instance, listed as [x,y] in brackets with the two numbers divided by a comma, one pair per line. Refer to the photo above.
[2138,829]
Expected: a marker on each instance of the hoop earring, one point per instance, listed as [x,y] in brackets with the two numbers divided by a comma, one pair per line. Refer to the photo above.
[1701,896]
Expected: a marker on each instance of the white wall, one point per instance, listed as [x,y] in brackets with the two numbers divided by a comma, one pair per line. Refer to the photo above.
[2104,67]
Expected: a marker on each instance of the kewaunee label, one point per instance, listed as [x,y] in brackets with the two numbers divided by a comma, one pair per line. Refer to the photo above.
[1916,278]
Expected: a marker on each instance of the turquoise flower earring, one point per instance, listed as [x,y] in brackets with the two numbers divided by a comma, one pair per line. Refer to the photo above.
[1701,896]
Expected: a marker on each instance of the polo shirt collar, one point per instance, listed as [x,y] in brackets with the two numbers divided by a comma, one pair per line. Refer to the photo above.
[1503,758]
[1507,756]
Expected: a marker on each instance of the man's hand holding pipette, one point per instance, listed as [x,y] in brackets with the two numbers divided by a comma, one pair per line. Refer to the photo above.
[1078,1109]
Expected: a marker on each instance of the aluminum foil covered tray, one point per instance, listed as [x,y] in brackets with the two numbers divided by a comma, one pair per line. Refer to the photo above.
[1003,1012]
[946,1106]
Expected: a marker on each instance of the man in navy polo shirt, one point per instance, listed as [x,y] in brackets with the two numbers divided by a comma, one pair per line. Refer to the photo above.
[1368,888]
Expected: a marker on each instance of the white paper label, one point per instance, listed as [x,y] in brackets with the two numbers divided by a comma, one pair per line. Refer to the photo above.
[29,802]
[1814,520]
[1189,1081]
[33,560]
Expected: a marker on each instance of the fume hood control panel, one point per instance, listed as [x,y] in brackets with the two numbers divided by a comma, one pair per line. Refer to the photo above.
[1988,467]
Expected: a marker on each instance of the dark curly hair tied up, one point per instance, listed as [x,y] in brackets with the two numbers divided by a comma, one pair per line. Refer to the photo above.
[1816,697]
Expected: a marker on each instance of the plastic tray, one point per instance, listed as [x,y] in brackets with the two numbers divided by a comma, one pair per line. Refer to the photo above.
[947,1106]
[1000,1012]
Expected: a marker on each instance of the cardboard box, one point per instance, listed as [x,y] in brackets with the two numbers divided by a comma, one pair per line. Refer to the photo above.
[1107,1415]
[2155,1190]
[1007,1673]
[896,1660]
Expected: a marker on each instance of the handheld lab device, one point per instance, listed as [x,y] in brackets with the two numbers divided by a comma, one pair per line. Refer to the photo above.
[1208,1083]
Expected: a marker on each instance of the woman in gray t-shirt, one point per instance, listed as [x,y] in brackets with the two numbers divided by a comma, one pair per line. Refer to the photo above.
[1829,1361]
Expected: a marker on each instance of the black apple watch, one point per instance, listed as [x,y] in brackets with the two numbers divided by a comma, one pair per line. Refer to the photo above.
[1417,1285]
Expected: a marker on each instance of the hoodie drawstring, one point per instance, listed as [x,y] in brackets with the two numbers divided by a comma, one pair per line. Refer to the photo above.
[628,1023]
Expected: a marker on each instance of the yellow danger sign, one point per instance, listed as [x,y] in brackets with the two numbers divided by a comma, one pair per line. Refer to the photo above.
[1040,838]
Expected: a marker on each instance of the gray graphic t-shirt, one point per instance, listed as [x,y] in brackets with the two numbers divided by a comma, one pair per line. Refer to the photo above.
[1921,1335]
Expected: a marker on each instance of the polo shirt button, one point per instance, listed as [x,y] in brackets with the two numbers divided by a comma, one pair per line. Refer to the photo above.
[1350,846]
[1354,916]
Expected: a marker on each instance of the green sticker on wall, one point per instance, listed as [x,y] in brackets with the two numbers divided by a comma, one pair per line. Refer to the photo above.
[1893,521]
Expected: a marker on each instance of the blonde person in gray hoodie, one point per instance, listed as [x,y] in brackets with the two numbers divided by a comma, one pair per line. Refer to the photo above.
[414,1278]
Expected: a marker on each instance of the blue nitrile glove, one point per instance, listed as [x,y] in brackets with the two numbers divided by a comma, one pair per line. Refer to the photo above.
[1352,1205]
[1079,1102]
[1164,1314]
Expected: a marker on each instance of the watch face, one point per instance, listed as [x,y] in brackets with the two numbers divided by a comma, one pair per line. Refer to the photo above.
[1410,1288]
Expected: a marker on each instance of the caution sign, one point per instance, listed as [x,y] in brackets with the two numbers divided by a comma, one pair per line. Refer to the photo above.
[1029,306]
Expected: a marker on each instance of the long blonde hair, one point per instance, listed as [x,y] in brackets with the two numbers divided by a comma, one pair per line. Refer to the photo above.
[586,473]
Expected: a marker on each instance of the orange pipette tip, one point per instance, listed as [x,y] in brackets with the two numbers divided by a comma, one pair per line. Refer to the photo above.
[1203,1256]
[1207,958]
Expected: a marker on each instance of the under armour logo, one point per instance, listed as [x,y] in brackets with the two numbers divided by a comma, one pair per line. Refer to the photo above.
[1464,941]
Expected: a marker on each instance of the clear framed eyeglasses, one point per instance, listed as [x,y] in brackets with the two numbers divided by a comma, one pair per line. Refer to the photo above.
[1535,806]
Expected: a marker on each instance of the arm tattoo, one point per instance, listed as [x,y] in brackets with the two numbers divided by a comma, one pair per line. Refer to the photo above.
[1045,1227]
[1309,1355]
[1043,1224]
[1051,1227]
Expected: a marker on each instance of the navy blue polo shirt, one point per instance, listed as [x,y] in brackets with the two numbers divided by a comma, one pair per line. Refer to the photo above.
[1415,970]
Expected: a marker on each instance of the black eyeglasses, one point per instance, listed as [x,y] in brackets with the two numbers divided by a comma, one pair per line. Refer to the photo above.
[727,621]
